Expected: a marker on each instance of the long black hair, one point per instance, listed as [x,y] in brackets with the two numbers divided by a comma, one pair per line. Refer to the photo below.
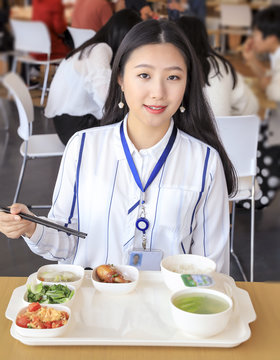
[198,119]
[112,33]
[196,32]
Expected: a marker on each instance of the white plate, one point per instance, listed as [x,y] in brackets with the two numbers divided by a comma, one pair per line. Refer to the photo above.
[142,318]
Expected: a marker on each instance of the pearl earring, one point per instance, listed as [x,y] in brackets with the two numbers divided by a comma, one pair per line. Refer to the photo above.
[182,109]
[121,104]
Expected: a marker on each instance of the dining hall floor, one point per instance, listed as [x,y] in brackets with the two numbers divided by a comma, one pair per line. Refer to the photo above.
[17,260]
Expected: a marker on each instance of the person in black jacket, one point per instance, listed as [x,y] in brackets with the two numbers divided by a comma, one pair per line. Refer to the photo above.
[141,6]
[6,39]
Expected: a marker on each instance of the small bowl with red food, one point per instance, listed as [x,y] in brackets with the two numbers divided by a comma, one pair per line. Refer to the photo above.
[38,320]
[115,279]
[49,293]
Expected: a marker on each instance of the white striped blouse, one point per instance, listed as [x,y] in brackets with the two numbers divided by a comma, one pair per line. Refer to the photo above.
[95,192]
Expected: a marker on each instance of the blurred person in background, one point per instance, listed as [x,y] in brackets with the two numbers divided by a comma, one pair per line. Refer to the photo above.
[266,40]
[141,6]
[178,8]
[6,38]
[224,88]
[51,12]
[91,14]
[79,87]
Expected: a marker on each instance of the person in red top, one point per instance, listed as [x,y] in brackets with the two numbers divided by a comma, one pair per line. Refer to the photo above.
[51,12]
[91,14]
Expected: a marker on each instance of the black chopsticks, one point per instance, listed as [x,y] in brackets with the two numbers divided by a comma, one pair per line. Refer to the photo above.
[46,223]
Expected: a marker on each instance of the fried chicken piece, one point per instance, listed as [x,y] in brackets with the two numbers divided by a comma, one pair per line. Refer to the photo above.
[109,274]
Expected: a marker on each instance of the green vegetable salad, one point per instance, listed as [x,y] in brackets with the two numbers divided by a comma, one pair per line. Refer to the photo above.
[48,294]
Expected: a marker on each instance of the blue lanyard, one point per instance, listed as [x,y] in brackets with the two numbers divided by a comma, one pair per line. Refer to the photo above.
[158,165]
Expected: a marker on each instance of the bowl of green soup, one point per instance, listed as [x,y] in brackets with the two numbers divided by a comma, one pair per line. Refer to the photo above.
[201,312]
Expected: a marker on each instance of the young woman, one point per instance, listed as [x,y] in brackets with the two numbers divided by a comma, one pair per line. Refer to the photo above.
[225,89]
[155,180]
[79,88]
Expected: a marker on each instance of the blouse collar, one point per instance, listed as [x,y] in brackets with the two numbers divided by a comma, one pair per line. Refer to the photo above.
[155,151]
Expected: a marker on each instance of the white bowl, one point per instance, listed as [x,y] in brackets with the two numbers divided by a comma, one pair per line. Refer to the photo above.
[77,270]
[172,267]
[128,272]
[44,332]
[201,325]
[68,302]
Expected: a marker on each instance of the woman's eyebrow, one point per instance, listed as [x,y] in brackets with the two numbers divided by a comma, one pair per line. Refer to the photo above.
[152,67]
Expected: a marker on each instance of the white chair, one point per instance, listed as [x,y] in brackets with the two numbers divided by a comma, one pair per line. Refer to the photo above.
[213,30]
[33,146]
[239,135]
[234,19]
[79,36]
[33,37]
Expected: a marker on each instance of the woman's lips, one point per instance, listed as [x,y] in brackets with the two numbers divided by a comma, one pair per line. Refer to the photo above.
[153,109]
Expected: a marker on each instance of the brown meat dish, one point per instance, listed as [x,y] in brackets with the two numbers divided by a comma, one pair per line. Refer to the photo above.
[109,274]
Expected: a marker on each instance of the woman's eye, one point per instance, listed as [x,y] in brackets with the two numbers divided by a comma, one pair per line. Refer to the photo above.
[173,77]
[144,76]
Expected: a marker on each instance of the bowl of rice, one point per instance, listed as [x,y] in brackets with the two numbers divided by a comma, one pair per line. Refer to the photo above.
[172,267]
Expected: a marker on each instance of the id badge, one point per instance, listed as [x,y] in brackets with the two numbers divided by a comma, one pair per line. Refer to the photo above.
[145,260]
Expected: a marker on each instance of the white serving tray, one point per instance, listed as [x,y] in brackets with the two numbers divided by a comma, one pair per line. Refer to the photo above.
[141,318]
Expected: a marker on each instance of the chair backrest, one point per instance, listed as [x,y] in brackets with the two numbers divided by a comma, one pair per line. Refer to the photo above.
[239,135]
[236,15]
[31,36]
[79,36]
[22,97]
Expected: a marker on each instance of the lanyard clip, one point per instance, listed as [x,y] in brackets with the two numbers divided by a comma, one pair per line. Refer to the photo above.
[144,240]
[143,212]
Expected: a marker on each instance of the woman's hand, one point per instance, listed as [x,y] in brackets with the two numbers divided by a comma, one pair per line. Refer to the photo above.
[13,226]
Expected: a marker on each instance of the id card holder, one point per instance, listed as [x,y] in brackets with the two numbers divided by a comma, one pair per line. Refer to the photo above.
[145,259]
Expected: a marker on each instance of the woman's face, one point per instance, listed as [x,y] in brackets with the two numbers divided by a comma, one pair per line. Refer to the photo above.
[154,82]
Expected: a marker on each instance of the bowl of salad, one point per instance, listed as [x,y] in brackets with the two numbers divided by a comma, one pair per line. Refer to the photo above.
[49,293]
[60,273]
[36,320]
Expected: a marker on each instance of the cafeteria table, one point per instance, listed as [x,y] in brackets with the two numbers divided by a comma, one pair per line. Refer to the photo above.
[263,344]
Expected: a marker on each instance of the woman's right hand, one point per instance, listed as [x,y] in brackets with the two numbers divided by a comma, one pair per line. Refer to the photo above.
[13,226]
